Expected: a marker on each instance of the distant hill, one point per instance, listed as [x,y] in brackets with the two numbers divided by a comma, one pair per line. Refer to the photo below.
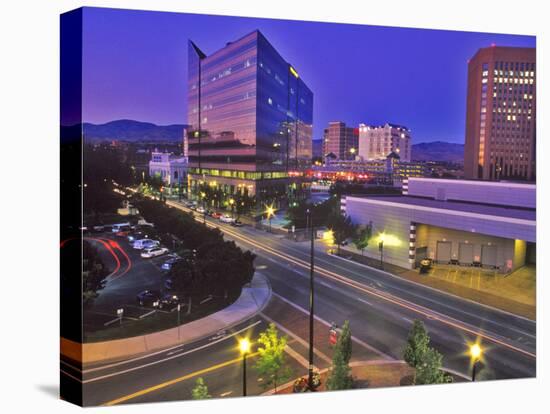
[438,151]
[133,131]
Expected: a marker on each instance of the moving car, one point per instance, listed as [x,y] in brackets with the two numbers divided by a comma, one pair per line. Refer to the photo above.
[226,218]
[201,210]
[149,298]
[237,223]
[154,252]
[216,215]
[145,244]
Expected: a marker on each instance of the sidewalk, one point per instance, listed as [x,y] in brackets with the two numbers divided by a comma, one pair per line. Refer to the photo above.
[252,300]
[498,291]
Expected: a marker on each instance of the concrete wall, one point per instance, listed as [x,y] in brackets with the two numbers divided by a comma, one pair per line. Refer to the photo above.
[501,193]
[395,220]
[507,249]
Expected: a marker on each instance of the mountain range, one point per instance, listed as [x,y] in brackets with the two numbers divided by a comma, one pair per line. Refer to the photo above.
[136,131]
[438,151]
[133,131]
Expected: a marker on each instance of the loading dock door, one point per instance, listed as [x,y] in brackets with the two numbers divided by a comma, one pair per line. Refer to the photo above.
[465,253]
[443,253]
[489,255]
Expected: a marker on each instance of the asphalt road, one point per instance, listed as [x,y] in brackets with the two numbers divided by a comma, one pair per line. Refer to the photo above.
[381,309]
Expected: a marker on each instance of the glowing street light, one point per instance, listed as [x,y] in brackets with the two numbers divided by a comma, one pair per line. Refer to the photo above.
[475,354]
[232,204]
[244,347]
[270,212]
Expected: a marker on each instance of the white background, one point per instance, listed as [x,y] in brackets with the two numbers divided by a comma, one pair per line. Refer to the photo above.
[29,206]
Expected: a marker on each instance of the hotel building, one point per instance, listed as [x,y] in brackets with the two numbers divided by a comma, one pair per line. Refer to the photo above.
[377,142]
[250,119]
[340,140]
[501,114]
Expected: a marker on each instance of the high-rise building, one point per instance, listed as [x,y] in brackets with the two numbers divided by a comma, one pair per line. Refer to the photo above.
[340,140]
[250,120]
[501,114]
[377,142]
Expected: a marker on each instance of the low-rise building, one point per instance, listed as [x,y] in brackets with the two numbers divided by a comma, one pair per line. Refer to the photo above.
[170,168]
[464,222]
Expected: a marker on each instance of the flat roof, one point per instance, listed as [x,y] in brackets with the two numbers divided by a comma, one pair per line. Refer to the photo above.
[490,210]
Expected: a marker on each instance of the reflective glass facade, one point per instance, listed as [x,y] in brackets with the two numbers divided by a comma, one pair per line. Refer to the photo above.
[248,111]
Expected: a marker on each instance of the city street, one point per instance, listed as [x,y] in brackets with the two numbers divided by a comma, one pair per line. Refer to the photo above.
[379,306]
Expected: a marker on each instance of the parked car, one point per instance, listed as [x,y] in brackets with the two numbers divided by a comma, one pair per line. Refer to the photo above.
[169,300]
[237,223]
[216,215]
[99,228]
[145,244]
[167,265]
[123,231]
[201,210]
[149,298]
[168,284]
[115,228]
[154,252]
[226,218]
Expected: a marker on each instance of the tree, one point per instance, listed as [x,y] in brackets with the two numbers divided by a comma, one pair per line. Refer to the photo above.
[340,374]
[200,392]
[271,364]
[426,360]
[344,342]
[417,344]
[93,273]
[362,236]
[429,370]
[342,228]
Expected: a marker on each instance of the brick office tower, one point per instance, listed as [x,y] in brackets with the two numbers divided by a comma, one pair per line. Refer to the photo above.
[340,140]
[501,114]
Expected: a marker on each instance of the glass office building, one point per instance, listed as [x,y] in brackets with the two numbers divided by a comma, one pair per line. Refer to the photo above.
[250,120]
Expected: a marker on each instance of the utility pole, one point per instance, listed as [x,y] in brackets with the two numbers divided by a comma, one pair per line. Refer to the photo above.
[311,300]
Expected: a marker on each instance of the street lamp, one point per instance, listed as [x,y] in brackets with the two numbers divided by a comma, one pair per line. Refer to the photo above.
[381,248]
[270,212]
[475,354]
[203,196]
[244,346]
[311,300]
[232,204]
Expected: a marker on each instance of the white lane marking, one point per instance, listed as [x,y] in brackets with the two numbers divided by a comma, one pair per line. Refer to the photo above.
[360,342]
[366,302]
[170,357]
[298,339]
[406,319]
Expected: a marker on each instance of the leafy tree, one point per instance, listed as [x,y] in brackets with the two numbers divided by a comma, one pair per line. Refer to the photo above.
[93,273]
[342,228]
[426,360]
[200,392]
[243,204]
[344,342]
[340,374]
[271,364]
[429,370]
[362,237]
[417,344]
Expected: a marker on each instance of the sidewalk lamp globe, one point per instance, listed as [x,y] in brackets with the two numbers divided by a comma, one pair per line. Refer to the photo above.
[244,345]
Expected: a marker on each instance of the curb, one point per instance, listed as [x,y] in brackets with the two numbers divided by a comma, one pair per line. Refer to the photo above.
[435,289]
[140,344]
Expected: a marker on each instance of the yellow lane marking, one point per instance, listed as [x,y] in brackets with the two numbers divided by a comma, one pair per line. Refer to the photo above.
[175,381]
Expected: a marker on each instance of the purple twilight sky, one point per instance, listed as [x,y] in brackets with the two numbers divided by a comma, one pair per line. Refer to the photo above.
[135,67]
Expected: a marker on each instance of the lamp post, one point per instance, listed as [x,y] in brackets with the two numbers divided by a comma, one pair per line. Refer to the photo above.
[244,346]
[232,204]
[270,212]
[475,354]
[179,308]
[311,299]
[381,248]
[203,196]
